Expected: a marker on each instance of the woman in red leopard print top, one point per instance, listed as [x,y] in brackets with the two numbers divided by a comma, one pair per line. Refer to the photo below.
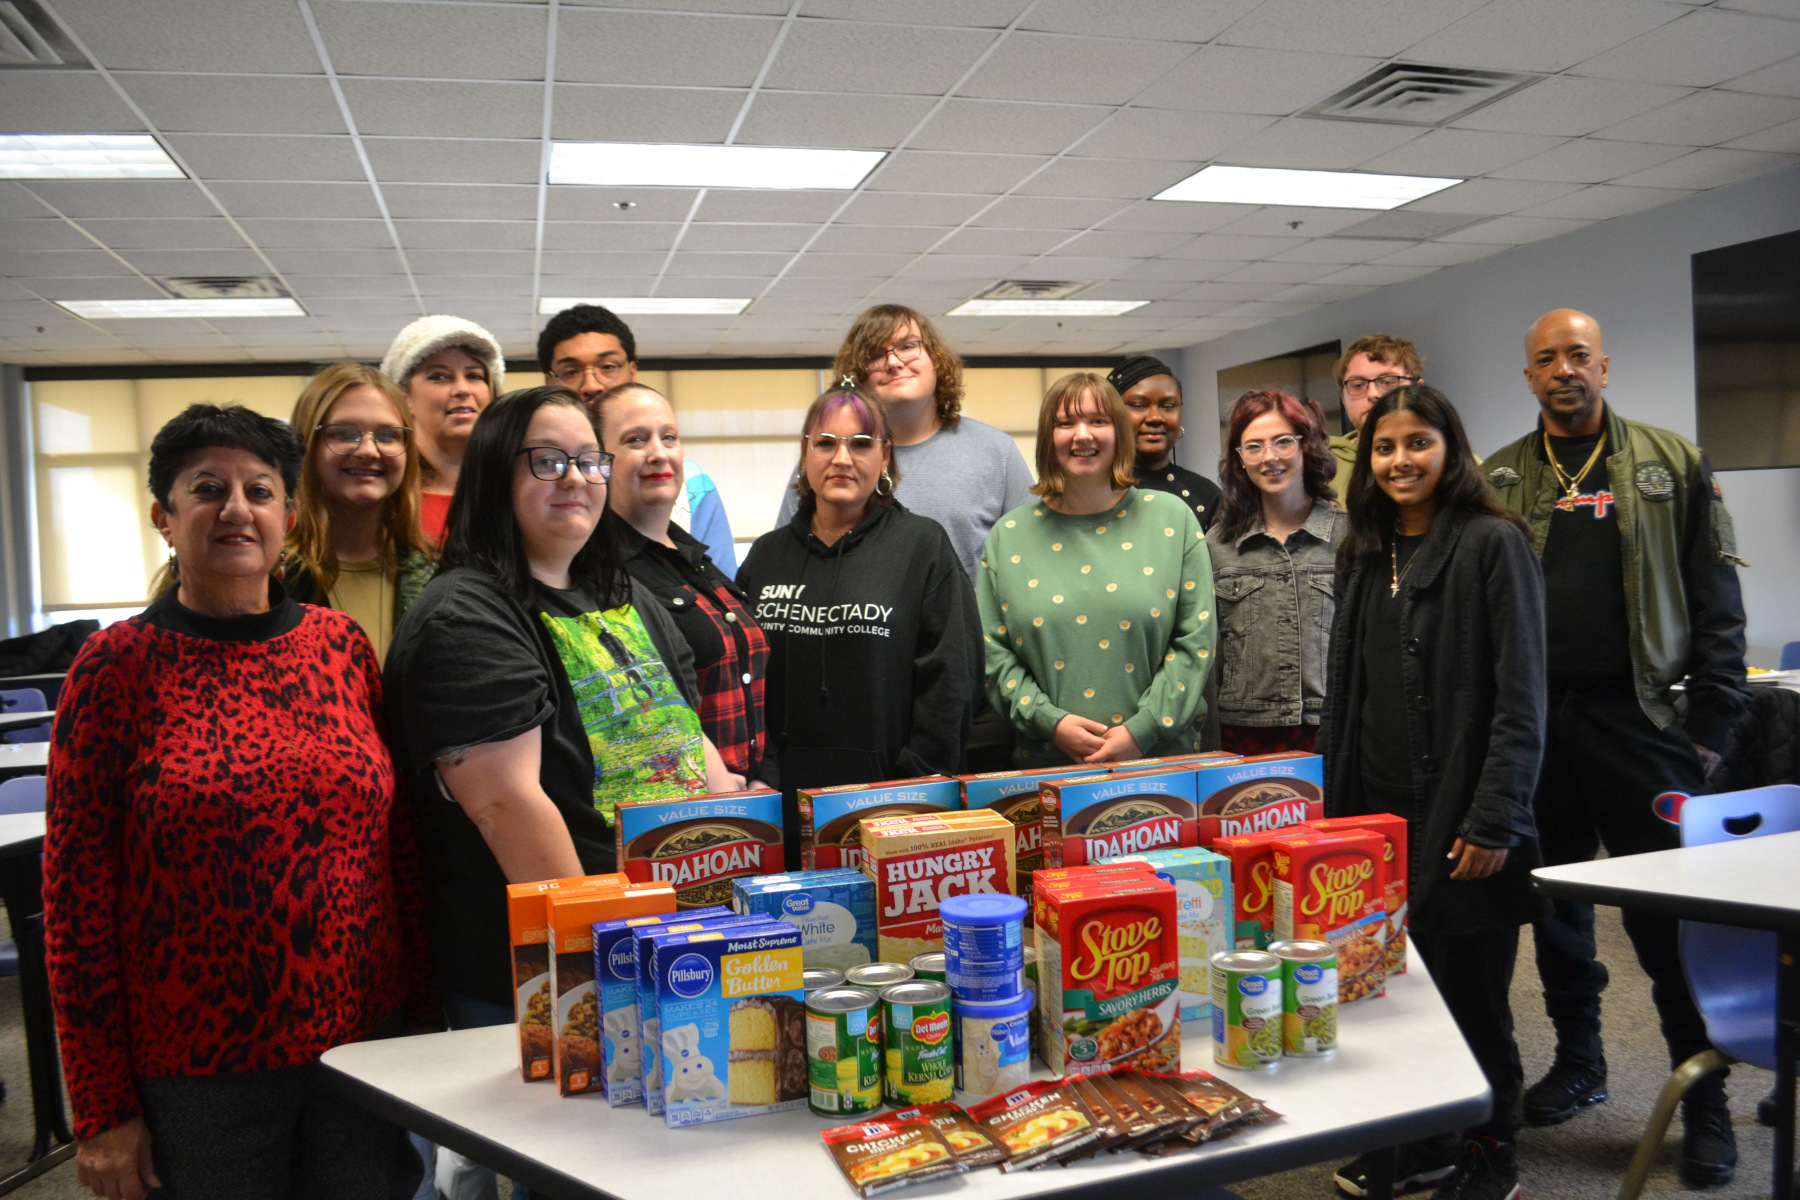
[231,887]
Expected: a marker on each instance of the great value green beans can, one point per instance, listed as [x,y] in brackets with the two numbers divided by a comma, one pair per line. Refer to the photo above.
[1309,997]
[843,1051]
[916,1035]
[1247,1017]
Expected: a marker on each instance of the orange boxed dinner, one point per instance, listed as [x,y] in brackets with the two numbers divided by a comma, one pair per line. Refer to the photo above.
[1333,888]
[575,1002]
[1394,829]
[918,861]
[1109,966]
[529,932]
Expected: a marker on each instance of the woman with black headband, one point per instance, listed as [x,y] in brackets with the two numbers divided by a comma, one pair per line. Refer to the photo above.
[1152,397]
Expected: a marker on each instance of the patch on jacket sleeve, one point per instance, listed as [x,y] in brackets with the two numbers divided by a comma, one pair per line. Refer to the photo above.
[1503,477]
[1655,480]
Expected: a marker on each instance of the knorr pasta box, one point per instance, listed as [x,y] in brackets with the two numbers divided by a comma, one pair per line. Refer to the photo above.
[1254,795]
[529,929]
[829,816]
[699,844]
[1091,817]
[576,1013]
[917,862]
[1394,829]
[1203,915]
[1109,966]
[1014,795]
[1252,857]
[1333,888]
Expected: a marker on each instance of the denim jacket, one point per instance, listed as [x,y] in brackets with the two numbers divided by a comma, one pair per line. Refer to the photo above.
[1275,610]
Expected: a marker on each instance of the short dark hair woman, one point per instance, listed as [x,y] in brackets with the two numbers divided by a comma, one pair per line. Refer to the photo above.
[533,686]
[1435,709]
[231,884]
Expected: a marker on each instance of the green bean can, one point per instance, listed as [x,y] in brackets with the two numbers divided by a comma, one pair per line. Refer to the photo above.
[1247,1009]
[843,1051]
[921,1054]
[1309,997]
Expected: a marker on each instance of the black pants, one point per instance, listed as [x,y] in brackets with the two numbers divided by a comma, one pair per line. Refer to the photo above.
[1474,974]
[271,1135]
[991,739]
[1604,763]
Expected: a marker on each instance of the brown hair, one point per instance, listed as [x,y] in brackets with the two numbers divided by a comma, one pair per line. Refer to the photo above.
[870,334]
[310,542]
[618,392]
[1383,348]
[1242,502]
[871,414]
[1065,394]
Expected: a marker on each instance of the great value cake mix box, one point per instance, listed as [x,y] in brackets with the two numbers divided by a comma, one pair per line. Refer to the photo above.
[699,844]
[649,1022]
[1091,817]
[829,816]
[616,980]
[1333,888]
[575,1014]
[1109,967]
[1393,828]
[834,910]
[529,929]
[1203,915]
[1014,795]
[916,862]
[1254,795]
[733,1022]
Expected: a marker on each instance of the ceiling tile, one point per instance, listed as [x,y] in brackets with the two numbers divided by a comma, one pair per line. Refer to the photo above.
[1709,168]
[1003,241]
[1604,201]
[1318,293]
[1438,254]
[1168,133]
[1049,67]
[18,203]
[1540,35]
[240,156]
[784,238]
[1091,178]
[195,262]
[1590,160]
[1238,79]
[1131,286]
[985,125]
[1280,272]
[1705,47]
[746,7]
[861,122]
[1706,118]
[1229,247]
[988,268]
[45,232]
[1047,212]
[609,235]
[196,35]
[297,199]
[1282,221]
[1177,216]
[1770,8]
[1150,20]
[259,104]
[1570,106]
[309,286]
[647,204]
[1459,152]
[856,57]
[1317,144]
[563,264]
[1117,243]
[851,265]
[898,208]
[470,235]
[1336,250]
[1236,292]
[476,260]
[1373,27]
[490,203]
[341,262]
[1515,231]
[435,160]
[1782,79]
[214,233]
[61,102]
[962,174]
[1375,275]
[442,108]
[1078,267]
[1492,196]
[596,46]
[1186,270]
[1782,139]
[121,197]
[879,239]
[589,113]
[481,42]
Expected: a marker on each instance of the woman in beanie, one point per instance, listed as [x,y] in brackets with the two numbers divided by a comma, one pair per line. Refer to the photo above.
[449,369]
[1152,398]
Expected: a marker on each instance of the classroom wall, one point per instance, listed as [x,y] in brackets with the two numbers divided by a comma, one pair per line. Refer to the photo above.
[1632,274]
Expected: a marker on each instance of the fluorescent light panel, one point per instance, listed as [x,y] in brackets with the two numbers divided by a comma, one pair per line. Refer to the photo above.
[633,164]
[1303,189]
[84,156]
[128,310]
[1044,308]
[651,306]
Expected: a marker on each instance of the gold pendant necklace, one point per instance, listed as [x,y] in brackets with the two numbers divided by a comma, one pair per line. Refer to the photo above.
[1394,563]
[1572,485]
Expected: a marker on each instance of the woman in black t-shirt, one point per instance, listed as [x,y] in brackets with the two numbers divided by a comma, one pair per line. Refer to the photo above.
[1434,711]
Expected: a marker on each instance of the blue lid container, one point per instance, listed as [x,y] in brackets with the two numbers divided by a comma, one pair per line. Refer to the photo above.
[987,908]
[983,946]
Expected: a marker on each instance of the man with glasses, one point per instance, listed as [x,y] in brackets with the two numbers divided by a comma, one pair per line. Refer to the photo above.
[1372,367]
[589,350]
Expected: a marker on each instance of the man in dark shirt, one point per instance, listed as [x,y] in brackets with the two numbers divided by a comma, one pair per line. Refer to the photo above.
[1641,593]
[1152,397]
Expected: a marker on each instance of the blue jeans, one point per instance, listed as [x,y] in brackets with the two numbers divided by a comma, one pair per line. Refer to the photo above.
[467,1180]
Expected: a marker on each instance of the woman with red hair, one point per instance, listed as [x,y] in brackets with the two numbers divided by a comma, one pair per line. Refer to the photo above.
[1274,548]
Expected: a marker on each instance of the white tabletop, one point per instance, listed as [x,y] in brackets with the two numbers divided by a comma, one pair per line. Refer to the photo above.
[1751,883]
[1402,1072]
[23,758]
[20,832]
[17,720]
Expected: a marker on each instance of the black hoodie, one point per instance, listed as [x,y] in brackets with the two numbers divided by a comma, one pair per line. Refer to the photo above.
[875,654]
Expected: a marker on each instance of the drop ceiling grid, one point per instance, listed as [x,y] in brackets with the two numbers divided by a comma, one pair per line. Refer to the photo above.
[1037,164]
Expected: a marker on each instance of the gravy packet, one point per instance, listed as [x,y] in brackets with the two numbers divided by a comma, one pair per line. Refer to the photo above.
[1227,1109]
[1154,1116]
[1038,1123]
[879,1156]
[1114,1133]
[974,1146]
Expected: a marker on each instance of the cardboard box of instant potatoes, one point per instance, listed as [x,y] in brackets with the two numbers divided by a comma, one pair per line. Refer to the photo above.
[829,816]
[700,844]
[1014,795]
[528,926]
[918,861]
[1253,795]
[1091,817]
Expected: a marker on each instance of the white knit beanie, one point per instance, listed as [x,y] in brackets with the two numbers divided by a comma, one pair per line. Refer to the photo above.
[427,335]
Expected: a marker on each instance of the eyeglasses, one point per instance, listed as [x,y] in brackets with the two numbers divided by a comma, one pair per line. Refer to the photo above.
[573,376]
[904,354]
[550,464]
[1285,446]
[1354,386]
[390,440]
[861,445]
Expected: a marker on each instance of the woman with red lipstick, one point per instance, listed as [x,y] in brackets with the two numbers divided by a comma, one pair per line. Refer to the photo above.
[1274,547]
[449,369]
[356,545]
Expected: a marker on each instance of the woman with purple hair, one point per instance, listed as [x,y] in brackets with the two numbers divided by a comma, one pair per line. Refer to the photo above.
[874,646]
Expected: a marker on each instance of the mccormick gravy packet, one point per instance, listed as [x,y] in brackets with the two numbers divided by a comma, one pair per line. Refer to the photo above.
[881,1155]
[1041,1121]
[973,1145]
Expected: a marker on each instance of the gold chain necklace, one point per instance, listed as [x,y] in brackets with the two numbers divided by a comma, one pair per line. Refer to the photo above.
[1394,562]
[1572,485]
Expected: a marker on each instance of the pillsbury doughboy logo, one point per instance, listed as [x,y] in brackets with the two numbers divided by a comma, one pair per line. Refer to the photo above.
[691,975]
[1654,480]
[799,904]
[1503,477]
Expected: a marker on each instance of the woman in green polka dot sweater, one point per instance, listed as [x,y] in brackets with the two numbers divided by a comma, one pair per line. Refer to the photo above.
[1096,601]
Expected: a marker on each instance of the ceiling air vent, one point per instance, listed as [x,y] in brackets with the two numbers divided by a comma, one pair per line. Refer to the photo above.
[29,38]
[1030,289]
[1411,94]
[222,287]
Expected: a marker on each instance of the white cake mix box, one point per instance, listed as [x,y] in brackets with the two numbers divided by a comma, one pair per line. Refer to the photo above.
[835,911]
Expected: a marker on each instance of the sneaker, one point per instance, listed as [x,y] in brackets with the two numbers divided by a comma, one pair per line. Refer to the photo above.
[1489,1170]
[1708,1146]
[1416,1165]
[1564,1090]
[1765,1111]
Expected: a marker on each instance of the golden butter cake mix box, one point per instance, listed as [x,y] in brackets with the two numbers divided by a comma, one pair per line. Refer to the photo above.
[1394,829]
[1014,795]
[1333,888]
[1109,972]
[529,932]
[575,1012]
[918,861]
[829,817]
[1091,817]
[699,844]
[1254,795]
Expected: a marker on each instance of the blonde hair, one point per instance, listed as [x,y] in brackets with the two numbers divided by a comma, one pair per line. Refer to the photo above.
[1065,394]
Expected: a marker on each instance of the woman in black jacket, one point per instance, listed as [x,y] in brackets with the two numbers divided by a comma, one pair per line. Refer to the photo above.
[1435,709]
[874,645]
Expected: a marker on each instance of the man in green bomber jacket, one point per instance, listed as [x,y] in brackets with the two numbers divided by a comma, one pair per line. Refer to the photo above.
[1641,593]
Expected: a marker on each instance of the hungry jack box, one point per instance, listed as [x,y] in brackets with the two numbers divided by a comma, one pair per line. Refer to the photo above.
[575,997]
[1109,964]
[829,816]
[918,861]
[529,932]
[1333,888]
[1091,817]
[1014,795]
[1394,829]
[699,844]
[1254,795]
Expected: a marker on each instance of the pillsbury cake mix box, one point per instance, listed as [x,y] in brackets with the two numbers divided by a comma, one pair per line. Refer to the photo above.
[616,974]
[649,1028]
[830,818]
[1204,917]
[733,1018]
[834,910]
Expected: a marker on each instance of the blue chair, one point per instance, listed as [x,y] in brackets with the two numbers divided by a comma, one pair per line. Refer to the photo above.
[1790,657]
[1731,971]
[24,700]
[23,794]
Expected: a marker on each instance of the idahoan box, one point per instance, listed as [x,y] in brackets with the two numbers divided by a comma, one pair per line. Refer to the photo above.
[1109,965]
[1014,795]
[571,916]
[1254,795]
[1333,888]
[918,861]
[699,844]
[1091,817]
[1394,829]
[1252,858]
[528,926]
[829,817]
